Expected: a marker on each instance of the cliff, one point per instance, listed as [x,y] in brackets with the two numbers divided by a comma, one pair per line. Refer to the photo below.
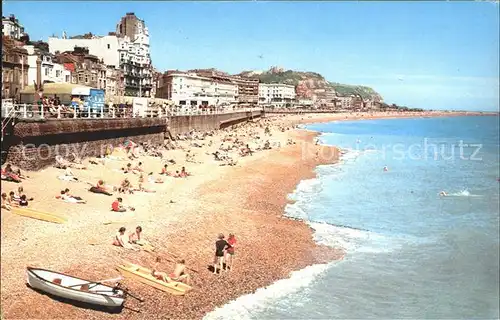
[311,84]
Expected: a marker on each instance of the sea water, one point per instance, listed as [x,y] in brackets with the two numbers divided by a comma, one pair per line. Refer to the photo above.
[410,253]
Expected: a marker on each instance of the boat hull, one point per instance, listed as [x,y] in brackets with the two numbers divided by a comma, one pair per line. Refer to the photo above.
[46,285]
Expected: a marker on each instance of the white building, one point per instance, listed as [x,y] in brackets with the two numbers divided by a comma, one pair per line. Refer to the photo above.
[278,95]
[226,92]
[11,27]
[51,71]
[188,89]
[192,91]
[345,102]
[105,47]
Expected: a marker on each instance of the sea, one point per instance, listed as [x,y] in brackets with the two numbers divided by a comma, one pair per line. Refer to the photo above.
[411,253]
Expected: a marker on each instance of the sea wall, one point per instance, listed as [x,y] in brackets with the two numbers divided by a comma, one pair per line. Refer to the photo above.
[182,124]
[33,145]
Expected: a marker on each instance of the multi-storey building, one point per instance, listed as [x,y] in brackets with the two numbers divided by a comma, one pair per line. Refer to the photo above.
[134,55]
[226,90]
[278,95]
[12,28]
[114,82]
[248,90]
[187,89]
[51,71]
[86,69]
[345,102]
[14,68]
[127,49]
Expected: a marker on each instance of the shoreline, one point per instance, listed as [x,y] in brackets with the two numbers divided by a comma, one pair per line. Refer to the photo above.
[248,200]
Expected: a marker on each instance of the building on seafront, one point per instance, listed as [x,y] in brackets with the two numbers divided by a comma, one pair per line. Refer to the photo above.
[277,95]
[12,28]
[193,90]
[86,69]
[126,49]
[51,71]
[14,68]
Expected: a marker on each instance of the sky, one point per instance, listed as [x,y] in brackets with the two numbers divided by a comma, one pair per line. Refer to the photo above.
[431,55]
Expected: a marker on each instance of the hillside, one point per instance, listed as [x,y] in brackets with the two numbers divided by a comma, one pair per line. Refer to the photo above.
[311,83]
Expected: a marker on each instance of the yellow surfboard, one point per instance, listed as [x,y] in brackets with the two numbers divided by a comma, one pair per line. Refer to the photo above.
[144,275]
[39,215]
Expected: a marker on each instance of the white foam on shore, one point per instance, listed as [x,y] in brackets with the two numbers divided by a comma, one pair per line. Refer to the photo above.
[244,306]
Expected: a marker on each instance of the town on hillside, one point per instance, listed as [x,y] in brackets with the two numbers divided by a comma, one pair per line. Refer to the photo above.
[68,76]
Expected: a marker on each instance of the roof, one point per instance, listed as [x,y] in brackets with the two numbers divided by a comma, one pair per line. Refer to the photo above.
[55,88]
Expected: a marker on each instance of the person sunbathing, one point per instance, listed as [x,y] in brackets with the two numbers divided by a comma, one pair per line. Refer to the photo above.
[68,175]
[121,241]
[100,188]
[179,274]
[5,202]
[70,199]
[9,175]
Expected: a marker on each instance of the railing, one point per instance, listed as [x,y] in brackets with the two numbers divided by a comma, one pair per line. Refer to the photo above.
[38,112]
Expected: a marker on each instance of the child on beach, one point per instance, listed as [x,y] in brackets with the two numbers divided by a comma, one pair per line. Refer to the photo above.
[220,246]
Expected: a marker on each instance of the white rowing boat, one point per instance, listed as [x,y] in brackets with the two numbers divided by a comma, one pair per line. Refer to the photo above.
[68,287]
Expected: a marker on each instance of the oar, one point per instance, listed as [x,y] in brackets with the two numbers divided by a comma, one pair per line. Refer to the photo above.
[125,289]
[128,308]
[96,282]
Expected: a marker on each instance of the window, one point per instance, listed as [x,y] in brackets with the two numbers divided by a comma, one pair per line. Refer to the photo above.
[66,78]
[80,78]
[109,46]
[46,71]
[58,73]
[86,79]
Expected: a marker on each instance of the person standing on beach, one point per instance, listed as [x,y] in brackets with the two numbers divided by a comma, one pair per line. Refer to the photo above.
[231,240]
[220,246]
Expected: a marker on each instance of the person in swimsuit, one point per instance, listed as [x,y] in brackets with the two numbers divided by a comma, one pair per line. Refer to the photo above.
[178,275]
[231,240]
[121,241]
[135,236]
[220,246]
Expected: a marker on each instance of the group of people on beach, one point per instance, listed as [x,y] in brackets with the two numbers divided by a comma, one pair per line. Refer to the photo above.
[224,253]
[15,199]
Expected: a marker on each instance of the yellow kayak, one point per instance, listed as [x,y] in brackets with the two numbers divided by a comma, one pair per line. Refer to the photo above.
[39,215]
[145,276]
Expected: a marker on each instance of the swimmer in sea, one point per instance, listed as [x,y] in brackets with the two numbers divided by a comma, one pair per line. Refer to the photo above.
[386,169]
[443,194]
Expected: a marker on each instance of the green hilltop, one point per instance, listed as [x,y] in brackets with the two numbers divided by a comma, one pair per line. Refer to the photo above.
[314,80]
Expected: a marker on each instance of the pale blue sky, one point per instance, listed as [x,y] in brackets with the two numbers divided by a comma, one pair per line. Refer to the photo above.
[441,55]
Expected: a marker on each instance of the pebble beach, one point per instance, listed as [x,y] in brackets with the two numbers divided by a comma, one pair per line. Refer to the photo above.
[181,220]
